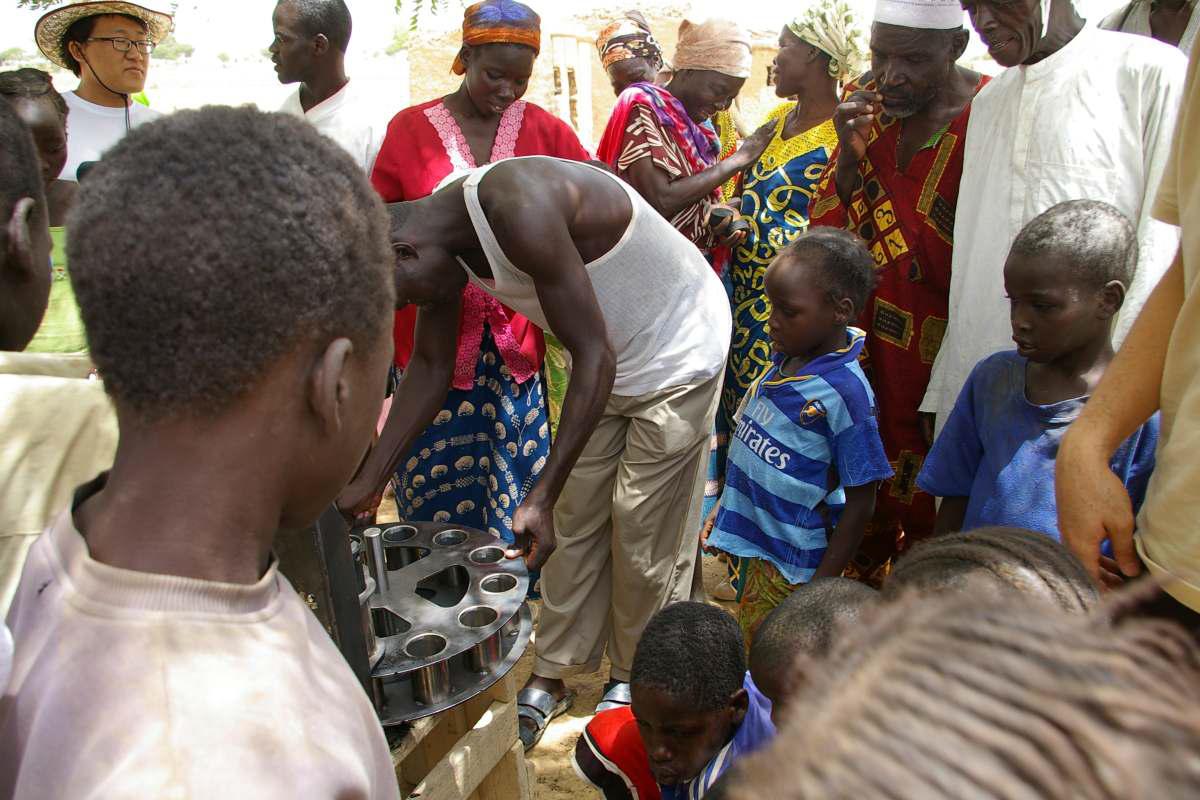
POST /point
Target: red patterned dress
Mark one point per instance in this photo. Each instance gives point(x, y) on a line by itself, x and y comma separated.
point(489, 442)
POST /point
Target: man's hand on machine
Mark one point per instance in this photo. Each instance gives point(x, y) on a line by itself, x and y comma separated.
point(358, 502)
point(533, 527)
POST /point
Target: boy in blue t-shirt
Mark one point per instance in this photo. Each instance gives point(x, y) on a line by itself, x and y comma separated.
point(993, 464)
point(806, 456)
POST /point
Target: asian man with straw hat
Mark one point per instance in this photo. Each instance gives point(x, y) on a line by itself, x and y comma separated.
point(108, 45)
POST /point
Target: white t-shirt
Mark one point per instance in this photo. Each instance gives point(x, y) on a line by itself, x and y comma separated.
point(348, 119)
point(1168, 536)
point(92, 129)
point(133, 685)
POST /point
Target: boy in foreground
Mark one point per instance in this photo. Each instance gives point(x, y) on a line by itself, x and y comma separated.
point(994, 461)
point(806, 457)
point(245, 349)
point(695, 712)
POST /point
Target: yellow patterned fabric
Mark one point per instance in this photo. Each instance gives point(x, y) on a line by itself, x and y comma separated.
point(727, 133)
point(763, 588)
point(774, 198)
point(775, 195)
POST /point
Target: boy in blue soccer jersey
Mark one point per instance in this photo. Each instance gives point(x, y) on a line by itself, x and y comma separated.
point(805, 457)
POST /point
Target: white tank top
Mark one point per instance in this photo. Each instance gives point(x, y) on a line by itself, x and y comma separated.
point(665, 310)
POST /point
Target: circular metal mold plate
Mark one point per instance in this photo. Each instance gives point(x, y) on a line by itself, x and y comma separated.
point(453, 587)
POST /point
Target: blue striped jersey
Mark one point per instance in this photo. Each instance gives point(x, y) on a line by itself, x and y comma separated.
point(799, 441)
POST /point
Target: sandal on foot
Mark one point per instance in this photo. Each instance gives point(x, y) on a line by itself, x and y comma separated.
point(539, 707)
point(616, 695)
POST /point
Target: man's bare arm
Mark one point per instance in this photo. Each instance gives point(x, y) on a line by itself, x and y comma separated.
point(421, 391)
point(536, 238)
point(1092, 502)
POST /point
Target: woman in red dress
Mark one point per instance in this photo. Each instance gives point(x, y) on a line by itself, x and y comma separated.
point(484, 450)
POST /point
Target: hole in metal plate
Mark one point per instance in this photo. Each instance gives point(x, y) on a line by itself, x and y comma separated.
point(386, 623)
point(398, 534)
point(446, 588)
point(400, 557)
point(497, 584)
point(487, 555)
point(450, 538)
point(427, 645)
point(478, 617)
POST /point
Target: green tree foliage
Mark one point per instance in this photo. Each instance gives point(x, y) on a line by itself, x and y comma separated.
point(172, 49)
point(399, 41)
point(414, 9)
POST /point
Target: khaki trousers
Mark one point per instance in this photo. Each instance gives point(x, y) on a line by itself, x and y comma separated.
point(627, 523)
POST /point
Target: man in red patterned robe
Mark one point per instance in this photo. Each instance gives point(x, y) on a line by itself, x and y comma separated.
point(893, 179)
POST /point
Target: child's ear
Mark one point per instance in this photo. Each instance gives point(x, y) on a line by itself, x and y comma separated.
point(18, 263)
point(739, 702)
point(329, 385)
point(1112, 297)
point(844, 311)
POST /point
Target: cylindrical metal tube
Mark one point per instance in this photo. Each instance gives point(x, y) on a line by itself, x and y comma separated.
point(374, 646)
point(373, 538)
point(431, 684)
point(484, 656)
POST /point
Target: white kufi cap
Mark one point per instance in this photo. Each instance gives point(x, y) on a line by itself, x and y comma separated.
point(939, 15)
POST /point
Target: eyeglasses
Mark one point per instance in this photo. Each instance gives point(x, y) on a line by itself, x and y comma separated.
point(122, 45)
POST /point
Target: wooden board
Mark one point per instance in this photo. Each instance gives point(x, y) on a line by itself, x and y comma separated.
point(472, 751)
point(461, 771)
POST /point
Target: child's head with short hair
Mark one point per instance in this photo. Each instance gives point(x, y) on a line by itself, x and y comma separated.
point(805, 622)
point(817, 285)
point(32, 95)
point(235, 265)
point(1066, 277)
point(687, 688)
point(24, 234)
point(995, 561)
point(948, 697)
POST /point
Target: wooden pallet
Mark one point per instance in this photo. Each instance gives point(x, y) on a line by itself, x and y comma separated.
point(471, 752)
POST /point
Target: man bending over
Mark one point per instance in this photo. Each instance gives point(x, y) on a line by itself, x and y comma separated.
point(647, 327)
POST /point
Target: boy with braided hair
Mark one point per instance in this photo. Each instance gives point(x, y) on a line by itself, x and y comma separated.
point(995, 561)
point(953, 698)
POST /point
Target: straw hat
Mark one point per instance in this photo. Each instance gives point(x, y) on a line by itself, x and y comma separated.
point(53, 25)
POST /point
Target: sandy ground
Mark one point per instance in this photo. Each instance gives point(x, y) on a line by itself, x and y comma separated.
point(551, 759)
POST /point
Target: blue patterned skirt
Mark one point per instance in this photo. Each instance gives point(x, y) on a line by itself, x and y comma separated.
point(483, 453)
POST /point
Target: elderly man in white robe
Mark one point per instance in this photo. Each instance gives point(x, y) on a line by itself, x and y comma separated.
point(1080, 113)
